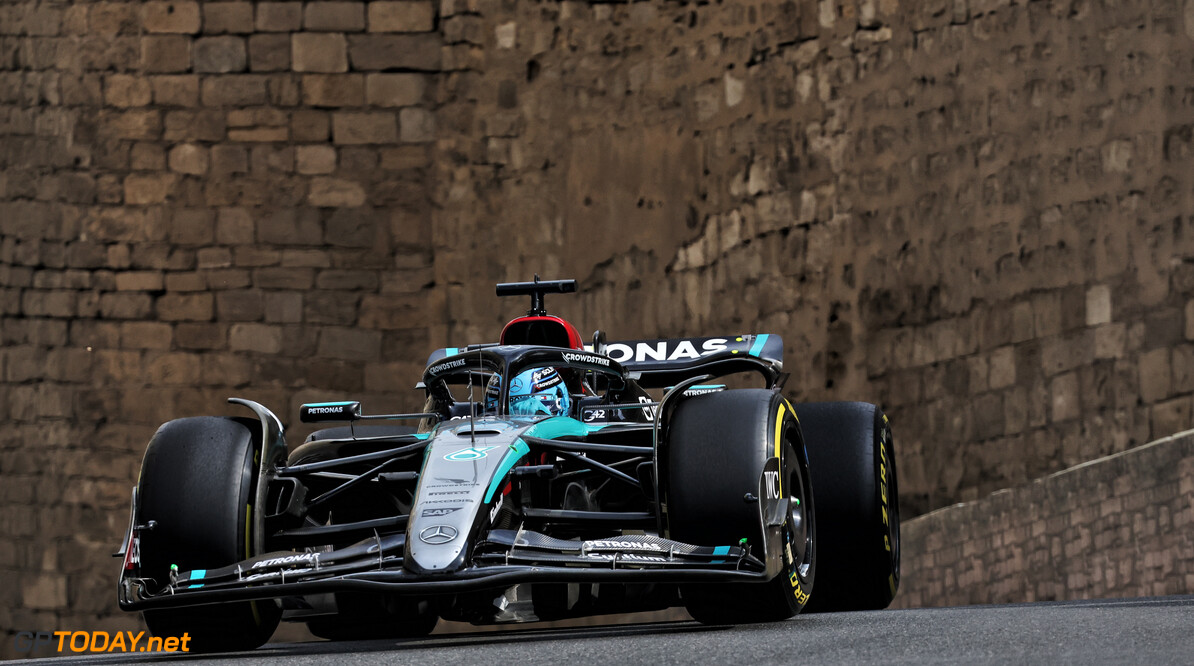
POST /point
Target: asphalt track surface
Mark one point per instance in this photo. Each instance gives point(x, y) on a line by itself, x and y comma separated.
point(1110, 631)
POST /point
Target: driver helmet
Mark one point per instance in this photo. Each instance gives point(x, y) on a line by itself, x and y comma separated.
point(534, 392)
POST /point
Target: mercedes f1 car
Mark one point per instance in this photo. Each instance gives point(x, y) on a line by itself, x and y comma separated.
point(544, 479)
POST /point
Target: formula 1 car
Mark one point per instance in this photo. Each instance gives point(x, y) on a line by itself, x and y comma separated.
point(544, 479)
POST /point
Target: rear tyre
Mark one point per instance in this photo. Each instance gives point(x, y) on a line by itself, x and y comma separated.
point(718, 445)
point(850, 446)
point(197, 484)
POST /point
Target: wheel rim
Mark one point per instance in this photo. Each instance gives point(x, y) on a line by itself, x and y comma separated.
point(800, 513)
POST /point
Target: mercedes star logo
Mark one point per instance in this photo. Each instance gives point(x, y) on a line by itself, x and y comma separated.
point(438, 534)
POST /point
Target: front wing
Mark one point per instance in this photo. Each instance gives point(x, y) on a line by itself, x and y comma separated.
point(502, 558)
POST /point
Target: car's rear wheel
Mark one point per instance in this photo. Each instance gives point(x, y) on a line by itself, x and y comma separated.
point(197, 487)
point(850, 446)
point(718, 445)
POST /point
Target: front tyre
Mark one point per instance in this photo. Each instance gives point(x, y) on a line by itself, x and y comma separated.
point(850, 446)
point(197, 484)
point(718, 447)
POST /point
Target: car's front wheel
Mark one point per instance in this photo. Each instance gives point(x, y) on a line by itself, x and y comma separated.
point(197, 488)
point(719, 446)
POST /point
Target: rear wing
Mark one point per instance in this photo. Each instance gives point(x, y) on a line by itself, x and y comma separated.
point(665, 360)
point(650, 355)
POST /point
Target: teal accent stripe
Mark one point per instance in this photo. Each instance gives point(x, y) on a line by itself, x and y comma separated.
point(720, 550)
point(549, 428)
point(327, 404)
point(517, 450)
point(451, 351)
point(197, 574)
point(757, 347)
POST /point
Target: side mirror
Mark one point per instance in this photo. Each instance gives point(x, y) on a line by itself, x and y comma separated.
point(319, 412)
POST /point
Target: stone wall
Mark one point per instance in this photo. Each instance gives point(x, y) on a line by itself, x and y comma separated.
point(1115, 527)
point(974, 212)
point(198, 200)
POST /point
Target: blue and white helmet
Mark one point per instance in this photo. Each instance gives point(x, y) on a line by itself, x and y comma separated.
point(535, 392)
point(539, 392)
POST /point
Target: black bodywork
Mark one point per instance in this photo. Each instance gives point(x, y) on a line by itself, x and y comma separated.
point(488, 516)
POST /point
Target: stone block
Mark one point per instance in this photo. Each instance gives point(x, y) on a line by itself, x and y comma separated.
point(145, 335)
point(226, 159)
point(227, 17)
point(335, 193)
point(234, 226)
point(1169, 417)
point(189, 158)
point(131, 125)
point(381, 52)
point(177, 369)
point(407, 16)
point(1154, 375)
point(219, 55)
point(1046, 314)
point(259, 338)
point(269, 53)
point(213, 257)
point(1063, 390)
point(199, 125)
point(139, 281)
point(349, 343)
point(1098, 305)
point(309, 125)
point(347, 279)
point(283, 307)
point(283, 278)
point(253, 256)
point(147, 157)
point(238, 90)
point(395, 90)
point(279, 16)
point(319, 52)
point(290, 226)
point(124, 90)
point(185, 307)
point(330, 307)
point(44, 592)
point(315, 160)
point(148, 188)
point(334, 16)
point(260, 134)
point(257, 116)
point(1109, 341)
point(1002, 367)
point(109, 19)
point(354, 128)
point(176, 16)
point(185, 282)
point(125, 306)
point(417, 125)
point(239, 305)
point(404, 157)
point(192, 226)
point(333, 90)
point(178, 90)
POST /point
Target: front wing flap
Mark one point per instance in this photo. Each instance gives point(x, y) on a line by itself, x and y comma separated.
point(503, 558)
